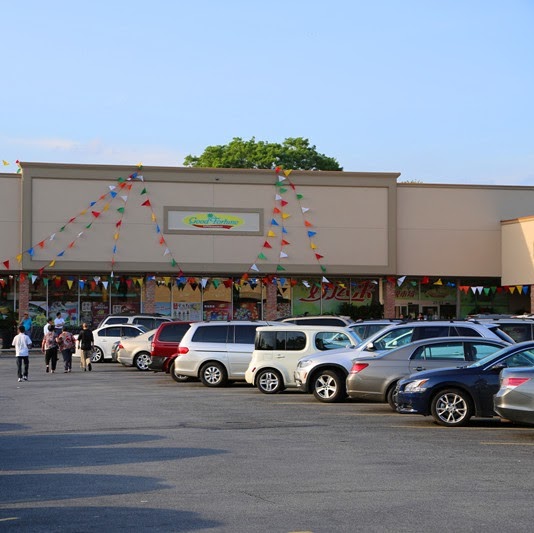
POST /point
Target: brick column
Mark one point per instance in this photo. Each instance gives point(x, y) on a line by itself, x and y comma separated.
point(24, 296)
point(389, 299)
point(270, 311)
point(149, 300)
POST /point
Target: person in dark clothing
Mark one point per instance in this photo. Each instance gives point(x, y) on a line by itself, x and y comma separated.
point(49, 348)
point(86, 344)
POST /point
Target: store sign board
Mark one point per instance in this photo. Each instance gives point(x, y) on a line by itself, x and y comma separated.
point(213, 220)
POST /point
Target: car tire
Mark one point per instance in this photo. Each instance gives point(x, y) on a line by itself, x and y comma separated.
point(180, 378)
point(213, 375)
point(391, 396)
point(451, 407)
point(142, 361)
point(98, 355)
point(269, 381)
point(329, 386)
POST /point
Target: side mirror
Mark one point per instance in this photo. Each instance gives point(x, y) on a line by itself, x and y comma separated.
point(498, 367)
point(370, 347)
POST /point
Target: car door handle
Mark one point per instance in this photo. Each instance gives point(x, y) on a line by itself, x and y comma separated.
point(279, 356)
point(419, 368)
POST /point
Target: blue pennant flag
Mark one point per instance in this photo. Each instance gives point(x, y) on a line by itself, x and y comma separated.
point(274, 223)
point(311, 233)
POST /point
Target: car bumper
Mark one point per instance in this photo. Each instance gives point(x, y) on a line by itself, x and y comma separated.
point(300, 377)
point(412, 403)
point(514, 406)
point(157, 364)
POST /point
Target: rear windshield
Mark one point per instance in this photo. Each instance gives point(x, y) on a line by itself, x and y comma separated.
point(173, 332)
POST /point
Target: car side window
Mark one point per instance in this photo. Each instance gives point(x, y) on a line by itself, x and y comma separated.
point(478, 350)
point(394, 338)
point(144, 321)
point(453, 351)
point(173, 332)
point(524, 358)
point(127, 331)
point(430, 332)
point(361, 331)
point(295, 340)
point(518, 332)
point(265, 340)
point(115, 331)
point(117, 320)
point(331, 340)
point(215, 334)
point(244, 334)
point(466, 331)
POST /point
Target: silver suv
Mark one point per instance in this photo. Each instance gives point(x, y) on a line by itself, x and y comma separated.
point(320, 320)
point(149, 321)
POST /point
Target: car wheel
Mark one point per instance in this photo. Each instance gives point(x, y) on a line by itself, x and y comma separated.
point(98, 355)
point(452, 407)
point(269, 381)
point(391, 396)
point(329, 386)
point(180, 378)
point(142, 361)
point(213, 375)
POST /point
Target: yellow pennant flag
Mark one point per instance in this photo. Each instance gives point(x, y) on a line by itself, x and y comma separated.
point(153, 217)
point(285, 215)
point(116, 236)
point(83, 212)
point(287, 172)
point(69, 283)
point(19, 258)
point(52, 263)
point(6, 164)
point(271, 234)
point(105, 208)
point(313, 246)
point(140, 281)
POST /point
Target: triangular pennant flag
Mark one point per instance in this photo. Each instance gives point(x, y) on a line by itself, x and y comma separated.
point(274, 223)
point(125, 198)
point(283, 203)
point(305, 209)
point(308, 224)
point(255, 268)
point(105, 283)
point(313, 246)
point(120, 209)
point(262, 256)
point(113, 194)
point(34, 277)
point(283, 255)
point(96, 214)
point(300, 196)
point(167, 252)
point(283, 190)
point(280, 268)
point(31, 252)
point(287, 172)
point(266, 245)
point(306, 284)
point(284, 242)
point(143, 191)
point(6, 264)
point(88, 225)
point(439, 282)
point(277, 197)
point(285, 215)
point(52, 237)
point(112, 187)
point(312, 233)
point(318, 256)
point(324, 280)
point(284, 230)
point(400, 280)
point(146, 202)
point(203, 282)
point(52, 263)
point(271, 234)
point(19, 258)
point(276, 210)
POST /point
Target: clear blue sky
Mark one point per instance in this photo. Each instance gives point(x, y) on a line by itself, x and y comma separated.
point(439, 91)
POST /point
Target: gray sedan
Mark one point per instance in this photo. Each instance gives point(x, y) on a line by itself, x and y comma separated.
point(515, 399)
point(375, 378)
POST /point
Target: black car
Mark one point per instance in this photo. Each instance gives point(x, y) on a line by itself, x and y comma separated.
point(453, 395)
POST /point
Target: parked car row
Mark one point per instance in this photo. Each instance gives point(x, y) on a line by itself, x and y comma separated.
point(449, 370)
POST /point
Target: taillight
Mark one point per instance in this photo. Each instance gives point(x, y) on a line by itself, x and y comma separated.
point(120, 346)
point(358, 367)
point(183, 349)
point(512, 383)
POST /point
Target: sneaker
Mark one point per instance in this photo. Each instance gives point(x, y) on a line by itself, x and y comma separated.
point(25, 378)
point(47, 369)
point(20, 379)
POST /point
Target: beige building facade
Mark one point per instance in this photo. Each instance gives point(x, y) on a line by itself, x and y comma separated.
point(233, 243)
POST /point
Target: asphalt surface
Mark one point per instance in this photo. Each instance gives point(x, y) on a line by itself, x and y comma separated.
point(121, 450)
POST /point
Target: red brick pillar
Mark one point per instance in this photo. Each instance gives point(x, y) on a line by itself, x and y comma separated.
point(24, 296)
point(270, 311)
point(389, 299)
point(149, 300)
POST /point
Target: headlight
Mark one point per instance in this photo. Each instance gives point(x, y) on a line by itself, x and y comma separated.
point(416, 386)
point(304, 363)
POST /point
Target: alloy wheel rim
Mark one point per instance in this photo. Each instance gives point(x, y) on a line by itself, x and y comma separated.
point(451, 408)
point(326, 387)
point(212, 374)
point(268, 381)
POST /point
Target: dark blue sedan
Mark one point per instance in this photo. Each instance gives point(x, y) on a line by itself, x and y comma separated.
point(453, 395)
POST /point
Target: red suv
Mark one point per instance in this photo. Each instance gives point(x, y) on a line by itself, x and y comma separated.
point(165, 343)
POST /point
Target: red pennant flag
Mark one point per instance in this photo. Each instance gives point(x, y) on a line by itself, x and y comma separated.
point(293, 282)
point(276, 210)
point(319, 256)
point(22, 276)
point(162, 240)
point(6, 264)
point(265, 245)
point(244, 276)
point(41, 272)
point(71, 244)
point(57, 282)
point(283, 203)
point(425, 280)
point(72, 219)
point(292, 186)
point(284, 242)
point(146, 202)
point(118, 224)
point(96, 214)
point(308, 224)
point(391, 279)
point(228, 283)
point(41, 244)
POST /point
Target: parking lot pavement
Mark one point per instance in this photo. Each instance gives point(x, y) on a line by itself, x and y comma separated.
point(119, 449)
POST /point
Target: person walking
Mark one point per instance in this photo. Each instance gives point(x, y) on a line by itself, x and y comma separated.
point(22, 343)
point(27, 323)
point(66, 344)
point(86, 343)
point(59, 322)
point(49, 348)
point(50, 322)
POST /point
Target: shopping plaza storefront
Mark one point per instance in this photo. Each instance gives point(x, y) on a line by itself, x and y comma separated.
point(218, 244)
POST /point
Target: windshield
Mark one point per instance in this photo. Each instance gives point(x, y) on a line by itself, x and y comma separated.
point(394, 339)
point(515, 357)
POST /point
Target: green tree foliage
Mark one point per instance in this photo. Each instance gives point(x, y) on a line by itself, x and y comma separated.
point(294, 153)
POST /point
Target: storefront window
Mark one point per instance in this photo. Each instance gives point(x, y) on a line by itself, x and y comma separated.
point(186, 300)
point(217, 304)
point(247, 300)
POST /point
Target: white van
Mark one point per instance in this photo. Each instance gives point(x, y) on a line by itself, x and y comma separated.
point(278, 349)
point(217, 352)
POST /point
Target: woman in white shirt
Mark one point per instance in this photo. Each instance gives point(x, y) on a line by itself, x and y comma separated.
point(22, 343)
